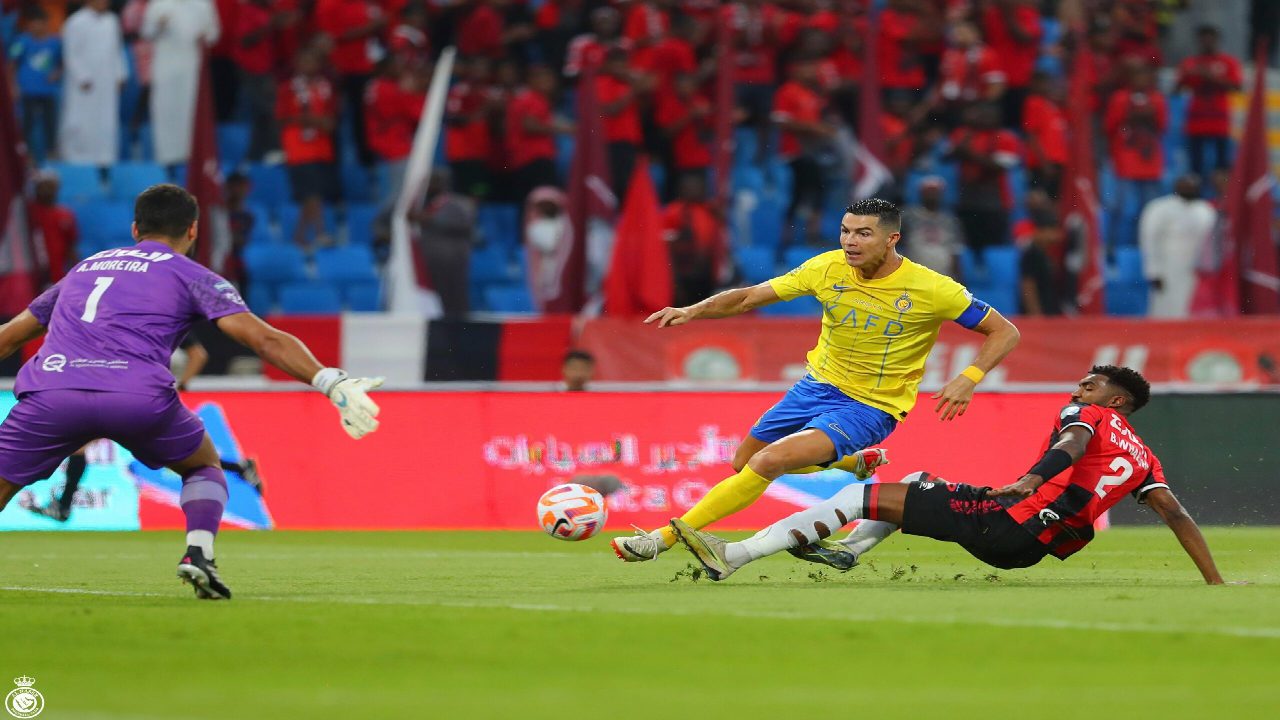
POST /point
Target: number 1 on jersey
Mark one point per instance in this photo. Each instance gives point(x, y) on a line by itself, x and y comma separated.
point(100, 286)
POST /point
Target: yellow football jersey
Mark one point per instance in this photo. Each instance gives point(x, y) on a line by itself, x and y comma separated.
point(876, 334)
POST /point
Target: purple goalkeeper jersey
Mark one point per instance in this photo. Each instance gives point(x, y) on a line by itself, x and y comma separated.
point(116, 318)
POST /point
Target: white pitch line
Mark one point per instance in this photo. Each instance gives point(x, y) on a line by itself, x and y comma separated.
point(1269, 633)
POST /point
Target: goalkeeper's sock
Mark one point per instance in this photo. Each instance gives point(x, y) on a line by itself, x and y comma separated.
point(76, 465)
point(726, 498)
point(802, 528)
point(203, 498)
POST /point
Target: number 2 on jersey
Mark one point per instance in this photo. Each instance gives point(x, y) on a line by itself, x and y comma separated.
point(1124, 469)
point(100, 286)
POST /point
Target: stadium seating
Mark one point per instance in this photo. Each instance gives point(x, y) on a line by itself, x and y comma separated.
point(129, 179)
point(104, 224)
point(363, 296)
point(270, 185)
point(275, 262)
point(508, 298)
point(358, 184)
point(756, 264)
point(80, 183)
point(233, 144)
point(1126, 287)
point(288, 214)
point(261, 298)
point(309, 298)
point(360, 219)
point(345, 264)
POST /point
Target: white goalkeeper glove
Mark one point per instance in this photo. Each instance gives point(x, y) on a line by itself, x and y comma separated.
point(350, 396)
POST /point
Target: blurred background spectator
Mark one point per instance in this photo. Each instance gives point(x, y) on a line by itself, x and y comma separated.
point(1173, 232)
point(576, 371)
point(318, 102)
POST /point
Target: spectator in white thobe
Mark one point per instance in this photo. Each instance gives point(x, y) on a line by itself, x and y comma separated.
point(1173, 231)
point(179, 31)
point(94, 67)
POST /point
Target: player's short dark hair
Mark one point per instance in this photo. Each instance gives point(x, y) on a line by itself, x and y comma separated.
point(886, 213)
point(578, 355)
point(1129, 380)
point(165, 210)
point(1208, 30)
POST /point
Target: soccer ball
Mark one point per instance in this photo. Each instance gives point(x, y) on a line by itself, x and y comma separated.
point(572, 512)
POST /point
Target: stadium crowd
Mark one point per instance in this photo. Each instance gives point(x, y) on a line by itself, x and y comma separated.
point(322, 97)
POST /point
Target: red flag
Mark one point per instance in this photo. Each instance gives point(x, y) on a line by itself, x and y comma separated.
point(1080, 209)
point(870, 172)
point(639, 278)
point(1249, 206)
point(17, 254)
point(591, 202)
point(204, 177)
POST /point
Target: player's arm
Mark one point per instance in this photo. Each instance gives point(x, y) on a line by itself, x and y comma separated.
point(1069, 448)
point(1001, 338)
point(18, 332)
point(1185, 529)
point(348, 394)
point(721, 305)
point(197, 358)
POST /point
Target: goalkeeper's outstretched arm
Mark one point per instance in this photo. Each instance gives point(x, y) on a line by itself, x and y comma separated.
point(348, 394)
point(721, 305)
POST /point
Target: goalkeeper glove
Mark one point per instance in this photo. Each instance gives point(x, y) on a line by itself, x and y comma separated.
point(350, 396)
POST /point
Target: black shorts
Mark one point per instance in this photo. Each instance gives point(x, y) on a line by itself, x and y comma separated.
point(962, 514)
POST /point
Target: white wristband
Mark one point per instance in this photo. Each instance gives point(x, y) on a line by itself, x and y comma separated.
point(327, 378)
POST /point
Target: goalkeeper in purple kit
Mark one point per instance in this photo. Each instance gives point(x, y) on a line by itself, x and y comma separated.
point(103, 371)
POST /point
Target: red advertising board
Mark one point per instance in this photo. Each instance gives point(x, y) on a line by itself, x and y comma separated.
point(481, 460)
point(1053, 350)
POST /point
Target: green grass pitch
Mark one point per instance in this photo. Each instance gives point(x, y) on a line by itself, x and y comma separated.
point(518, 625)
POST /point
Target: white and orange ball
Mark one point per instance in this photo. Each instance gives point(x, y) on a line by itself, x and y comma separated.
point(572, 512)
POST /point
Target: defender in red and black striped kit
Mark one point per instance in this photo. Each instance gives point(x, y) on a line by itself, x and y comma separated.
point(1091, 460)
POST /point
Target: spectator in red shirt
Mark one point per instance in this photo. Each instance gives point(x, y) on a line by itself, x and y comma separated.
point(467, 142)
point(1135, 122)
point(589, 48)
point(531, 128)
point(902, 35)
point(757, 29)
point(1211, 76)
point(256, 30)
point(1013, 32)
point(696, 241)
point(480, 31)
point(557, 24)
point(1045, 125)
point(618, 90)
point(985, 152)
point(392, 106)
point(408, 37)
point(684, 116)
point(647, 22)
point(674, 55)
point(970, 72)
point(307, 110)
point(54, 225)
point(806, 139)
point(355, 27)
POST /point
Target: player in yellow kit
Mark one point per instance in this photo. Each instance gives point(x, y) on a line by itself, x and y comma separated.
point(881, 315)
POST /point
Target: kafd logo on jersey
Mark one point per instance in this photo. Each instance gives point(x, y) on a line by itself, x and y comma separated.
point(24, 701)
point(54, 363)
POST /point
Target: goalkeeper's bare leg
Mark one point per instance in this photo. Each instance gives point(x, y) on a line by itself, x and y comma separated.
point(757, 464)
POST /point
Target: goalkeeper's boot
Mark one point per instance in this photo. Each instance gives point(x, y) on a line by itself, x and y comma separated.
point(202, 574)
point(827, 552)
point(868, 460)
point(708, 548)
point(641, 547)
